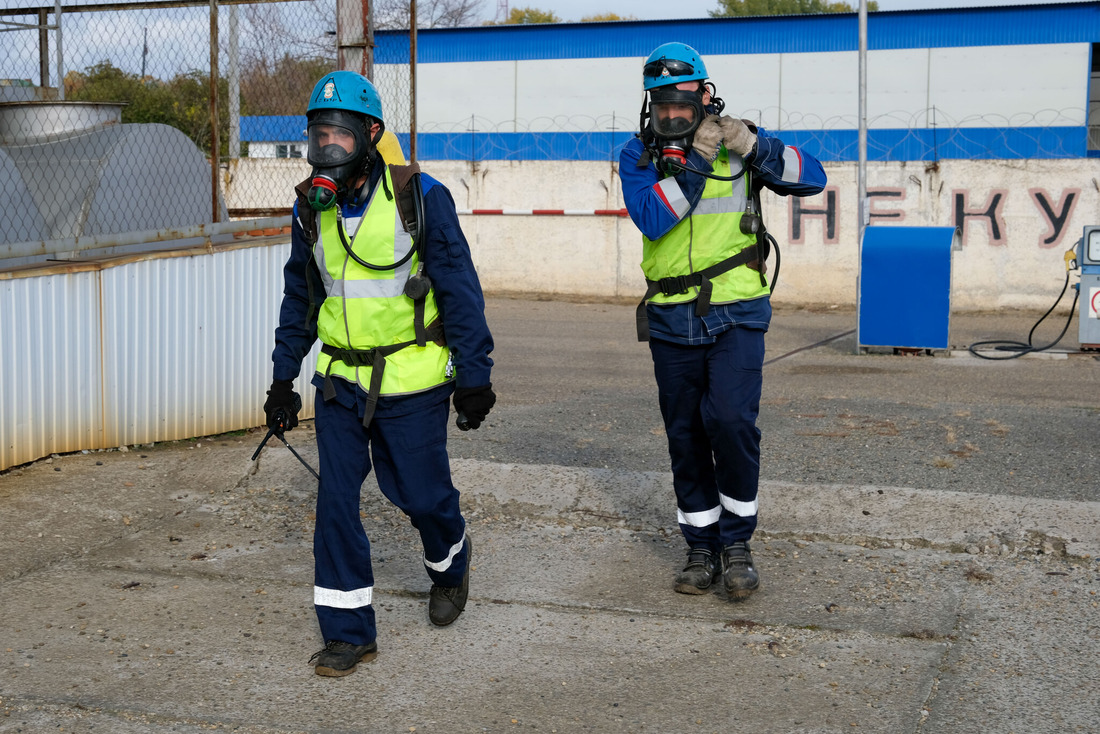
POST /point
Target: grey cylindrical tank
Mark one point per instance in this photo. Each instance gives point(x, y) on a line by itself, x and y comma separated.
point(71, 169)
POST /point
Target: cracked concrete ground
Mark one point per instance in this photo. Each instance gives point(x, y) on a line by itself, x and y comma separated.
point(928, 545)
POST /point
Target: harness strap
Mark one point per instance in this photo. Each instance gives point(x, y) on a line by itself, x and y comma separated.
point(376, 358)
point(677, 284)
point(418, 322)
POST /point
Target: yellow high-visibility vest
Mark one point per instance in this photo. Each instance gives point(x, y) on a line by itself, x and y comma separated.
point(710, 234)
point(366, 308)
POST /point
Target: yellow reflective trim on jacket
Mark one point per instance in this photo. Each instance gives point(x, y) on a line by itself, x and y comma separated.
point(709, 234)
point(366, 308)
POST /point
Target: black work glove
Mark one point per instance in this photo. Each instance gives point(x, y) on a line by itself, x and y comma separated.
point(282, 406)
point(473, 404)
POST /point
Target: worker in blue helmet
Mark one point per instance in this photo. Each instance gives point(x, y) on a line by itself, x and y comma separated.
point(380, 272)
point(692, 181)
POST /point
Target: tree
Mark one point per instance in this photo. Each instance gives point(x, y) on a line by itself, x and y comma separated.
point(183, 102)
point(524, 16)
point(282, 88)
point(272, 30)
point(604, 17)
point(394, 14)
point(738, 8)
point(281, 60)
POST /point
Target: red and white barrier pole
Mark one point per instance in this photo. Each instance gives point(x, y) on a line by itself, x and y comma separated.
point(548, 212)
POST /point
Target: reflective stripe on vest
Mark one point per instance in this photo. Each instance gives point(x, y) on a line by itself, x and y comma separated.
point(710, 234)
point(366, 308)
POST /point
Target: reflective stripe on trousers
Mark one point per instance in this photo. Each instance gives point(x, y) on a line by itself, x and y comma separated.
point(410, 462)
point(710, 398)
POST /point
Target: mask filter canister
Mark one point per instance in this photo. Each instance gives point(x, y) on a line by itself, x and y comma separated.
point(322, 193)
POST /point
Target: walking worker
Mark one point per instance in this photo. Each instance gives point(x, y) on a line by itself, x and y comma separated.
point(380, 271)
point(691, 182)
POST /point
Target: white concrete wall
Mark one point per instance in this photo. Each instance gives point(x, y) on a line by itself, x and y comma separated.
point(1036, 85)
point(1018, 219)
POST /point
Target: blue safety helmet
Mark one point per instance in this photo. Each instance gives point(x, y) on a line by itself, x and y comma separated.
point(346, 90)
point(672, 63)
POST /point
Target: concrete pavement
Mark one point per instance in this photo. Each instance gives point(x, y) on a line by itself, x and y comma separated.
point(928, 545)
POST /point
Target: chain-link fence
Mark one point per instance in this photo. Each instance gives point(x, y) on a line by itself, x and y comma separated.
point(106, 110)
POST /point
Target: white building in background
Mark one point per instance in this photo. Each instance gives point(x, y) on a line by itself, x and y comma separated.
point(972, 83)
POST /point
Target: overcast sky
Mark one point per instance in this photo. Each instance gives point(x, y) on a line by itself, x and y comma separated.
point(573, 10)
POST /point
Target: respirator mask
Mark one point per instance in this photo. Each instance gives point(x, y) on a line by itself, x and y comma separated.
point(674, 116)
point(340, 152)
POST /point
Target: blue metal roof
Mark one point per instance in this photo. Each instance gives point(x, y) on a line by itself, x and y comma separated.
point(273, 128)
point(1075, 22)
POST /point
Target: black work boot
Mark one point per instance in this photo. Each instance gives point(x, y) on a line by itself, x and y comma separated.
point(341, 658)
point(445, 603)
point(699, 573)
point(738, 573)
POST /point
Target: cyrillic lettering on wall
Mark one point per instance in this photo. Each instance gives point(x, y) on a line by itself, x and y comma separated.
point(879, 200)
point(799, 211)
point(989, 213)
point(1056, 215)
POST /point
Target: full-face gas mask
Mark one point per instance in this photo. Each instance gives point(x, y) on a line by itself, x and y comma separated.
point(341, 151)
point(674, 116)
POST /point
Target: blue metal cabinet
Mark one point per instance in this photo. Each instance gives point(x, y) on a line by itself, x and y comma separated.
point(904, 296)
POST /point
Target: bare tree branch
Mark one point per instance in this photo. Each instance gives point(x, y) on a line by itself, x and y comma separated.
point(394, 14)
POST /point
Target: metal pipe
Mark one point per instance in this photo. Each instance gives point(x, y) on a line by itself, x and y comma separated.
point(412, 81)
point(43, 49)
point(60, 56)
point(95, 242)
point(368, 33)
point(861, 170)
point(146, 5)
point(864, 214)
point(234, 85)
point(215, 209)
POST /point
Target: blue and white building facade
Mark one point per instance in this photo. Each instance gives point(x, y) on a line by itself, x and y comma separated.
point(993, 82)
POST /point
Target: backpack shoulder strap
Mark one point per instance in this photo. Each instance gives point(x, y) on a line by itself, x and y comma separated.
point(410, 205)
point(307, 217)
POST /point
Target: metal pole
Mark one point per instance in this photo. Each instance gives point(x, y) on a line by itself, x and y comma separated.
point(43, 49)
point(60, 56)
point(234, 86)
point(864, 214)
point(368, 50)
point(355, 37)
point(861, 174)
point(412, 81)
point(214, 110)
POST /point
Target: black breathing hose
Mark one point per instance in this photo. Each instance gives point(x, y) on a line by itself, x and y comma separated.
point(674, 165)
point(418, 208)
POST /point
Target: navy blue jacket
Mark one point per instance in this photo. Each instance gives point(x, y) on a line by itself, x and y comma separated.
point(447, 262)
point(656, 207)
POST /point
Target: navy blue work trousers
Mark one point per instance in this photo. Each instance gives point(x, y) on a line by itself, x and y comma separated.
point(710, 399)
point(409, 452)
